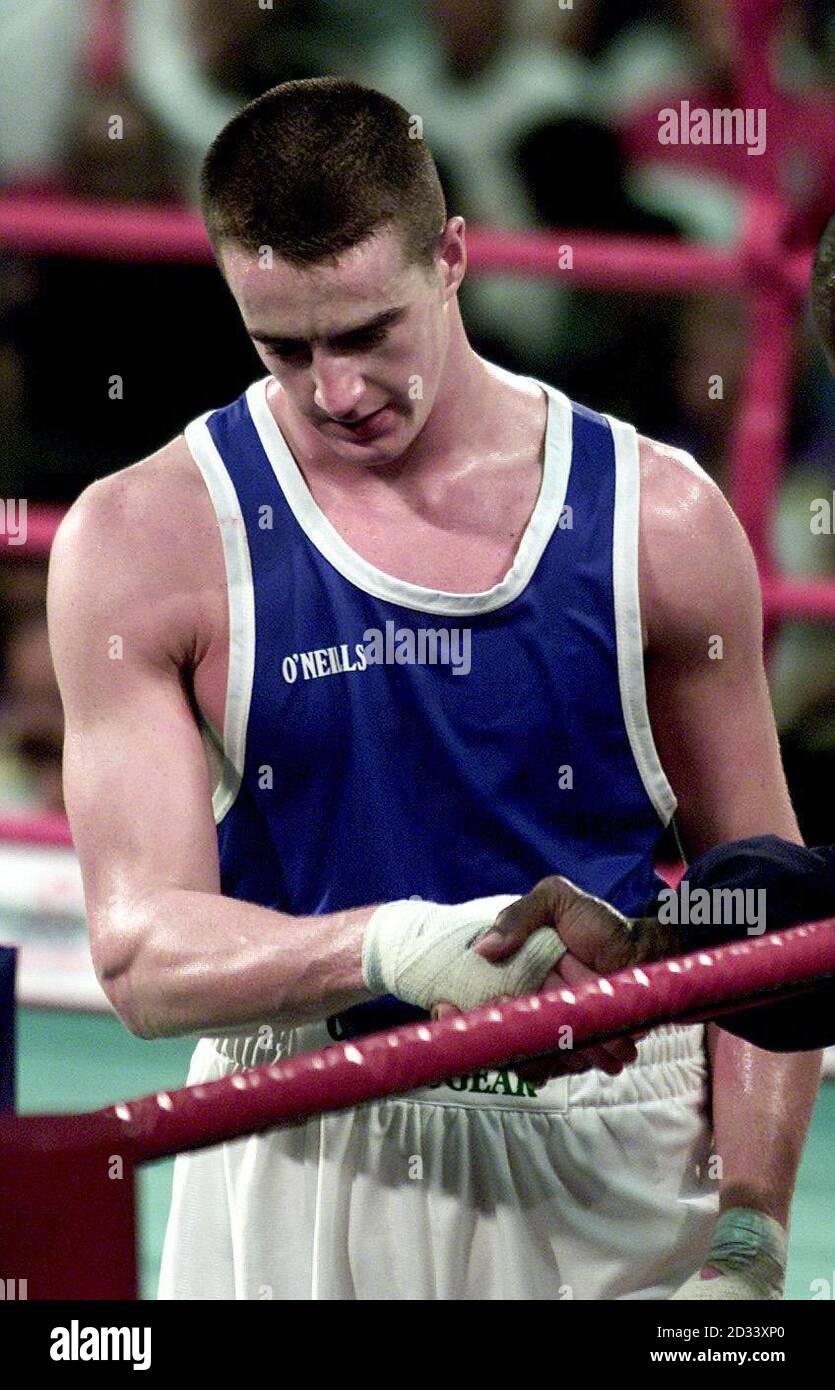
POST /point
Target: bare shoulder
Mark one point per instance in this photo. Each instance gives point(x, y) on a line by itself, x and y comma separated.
point(142, 542)
point(143, 505)
point(695, 562)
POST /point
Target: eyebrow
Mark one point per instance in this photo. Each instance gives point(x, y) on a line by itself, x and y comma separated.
point(383, 320)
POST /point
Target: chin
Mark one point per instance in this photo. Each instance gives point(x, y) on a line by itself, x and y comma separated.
point(371, 455)
point(384, 450)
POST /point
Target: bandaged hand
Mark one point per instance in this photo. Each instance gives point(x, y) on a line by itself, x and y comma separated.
point(609, 1057)
point(422, 952)
point(746, 1260)
point(599, 940)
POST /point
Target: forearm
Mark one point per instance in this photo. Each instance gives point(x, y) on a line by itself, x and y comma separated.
point(194, 962)
point(762, 1106)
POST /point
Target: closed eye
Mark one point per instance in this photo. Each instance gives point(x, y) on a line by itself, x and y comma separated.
point(289, 349)
point(368, 338)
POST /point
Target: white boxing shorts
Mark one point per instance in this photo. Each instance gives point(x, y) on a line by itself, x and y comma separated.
point(483, 1187)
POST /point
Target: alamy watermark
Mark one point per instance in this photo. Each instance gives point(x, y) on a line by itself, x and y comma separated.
point(391, 646)
point(703, 907)
point(13, 520)
point(79, 1342)
point(822, 516)
point(696, 125)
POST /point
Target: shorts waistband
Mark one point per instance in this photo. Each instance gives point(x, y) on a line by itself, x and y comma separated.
point(671, 1062)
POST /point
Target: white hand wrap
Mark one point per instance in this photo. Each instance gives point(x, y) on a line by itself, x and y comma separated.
point(421, 953)
point(749, 1251)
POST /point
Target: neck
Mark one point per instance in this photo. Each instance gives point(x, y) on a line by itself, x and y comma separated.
point(459, 411)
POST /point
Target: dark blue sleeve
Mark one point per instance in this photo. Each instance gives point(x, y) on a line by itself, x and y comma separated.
point(799, 886)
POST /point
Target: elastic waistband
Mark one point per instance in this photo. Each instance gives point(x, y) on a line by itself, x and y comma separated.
point(671, 1063)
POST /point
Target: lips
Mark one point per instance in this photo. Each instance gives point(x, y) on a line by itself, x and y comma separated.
point(367, 428)
point(355, 424)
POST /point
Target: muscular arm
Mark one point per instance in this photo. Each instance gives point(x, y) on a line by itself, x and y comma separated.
point(172, 954)
point(714, 728)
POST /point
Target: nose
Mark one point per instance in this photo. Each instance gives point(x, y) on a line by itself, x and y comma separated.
point(338, 386)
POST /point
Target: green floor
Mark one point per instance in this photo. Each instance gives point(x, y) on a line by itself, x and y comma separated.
point(70, 1061)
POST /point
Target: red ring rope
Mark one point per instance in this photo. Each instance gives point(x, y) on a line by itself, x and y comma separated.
point(45, 1157)
point(703, 984)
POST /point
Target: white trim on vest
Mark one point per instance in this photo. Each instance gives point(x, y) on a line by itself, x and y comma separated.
point(320, 531)
point(628, 630)
point(241, 603)
point(365, 576)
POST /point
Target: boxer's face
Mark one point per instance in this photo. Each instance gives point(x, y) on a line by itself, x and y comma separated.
point(358, 346)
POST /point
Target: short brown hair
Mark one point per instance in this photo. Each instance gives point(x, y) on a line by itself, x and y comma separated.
point(313, 167)
point(823, 291)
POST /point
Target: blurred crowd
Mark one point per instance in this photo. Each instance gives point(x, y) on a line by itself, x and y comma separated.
point(541, 114)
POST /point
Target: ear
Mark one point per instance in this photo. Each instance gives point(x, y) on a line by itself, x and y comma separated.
point(453, 255)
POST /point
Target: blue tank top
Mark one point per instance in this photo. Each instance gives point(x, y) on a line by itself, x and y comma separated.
point(383, 740)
